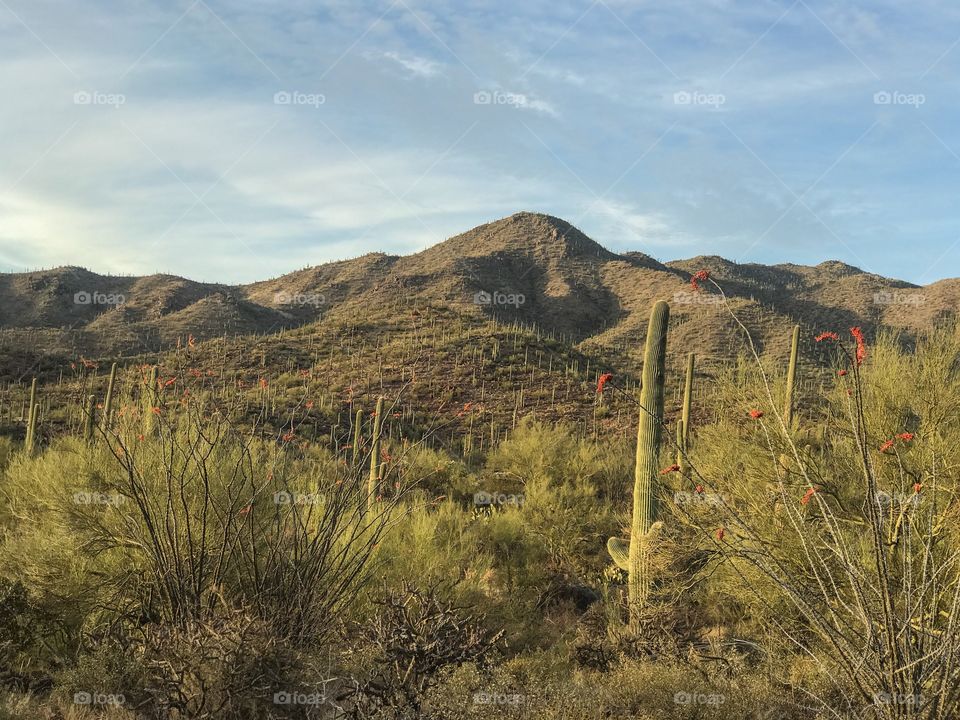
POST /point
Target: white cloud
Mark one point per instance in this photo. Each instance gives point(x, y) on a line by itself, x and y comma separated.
point(417, 66)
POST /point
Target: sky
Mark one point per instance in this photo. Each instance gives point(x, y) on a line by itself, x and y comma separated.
point(236, 141)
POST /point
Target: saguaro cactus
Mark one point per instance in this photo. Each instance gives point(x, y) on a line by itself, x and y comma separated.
point(636, 559)
point(88, 414)
point(32, 415)
point(791, 378)
point(357, 428)
point(684, 423)
point(108, 400)
point(374, 478)
point(150, 400)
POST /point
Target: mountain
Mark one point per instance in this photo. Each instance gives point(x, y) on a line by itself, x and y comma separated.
point(529, 267)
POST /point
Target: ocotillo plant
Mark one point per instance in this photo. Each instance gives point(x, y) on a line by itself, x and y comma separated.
point(791, 378)
point(637, 560)
point(108, 400)
point(32, 415)
point(374, 478)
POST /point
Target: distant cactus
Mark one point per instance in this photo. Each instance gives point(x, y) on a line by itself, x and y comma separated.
point(636, 558)
point(374, 478)
point(791, 378)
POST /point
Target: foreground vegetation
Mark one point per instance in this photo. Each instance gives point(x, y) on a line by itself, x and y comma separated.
point(798, 557)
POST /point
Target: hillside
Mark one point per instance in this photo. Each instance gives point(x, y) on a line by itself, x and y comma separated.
point(531, 268)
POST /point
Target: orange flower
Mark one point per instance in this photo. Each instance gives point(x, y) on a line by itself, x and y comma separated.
point(906, 437)
point(756, 414)
point(699, 277)
point(155, 411)
point(720, 534)
point(288, 436)
point(246, 510)
point(807, 495)
point(861, 344)
point(826, 336)
point(917, 487)
point(886, 446)
point(699, 489)
point(603, 380)
point(671, 469)
point(309, 404)
point(842, 373)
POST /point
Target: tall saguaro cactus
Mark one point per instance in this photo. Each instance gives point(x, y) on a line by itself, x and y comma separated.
point(684, 424)
point(374, 478)
point(637, 560)
point(88, 417)
point(151, 398)
point(108, 400)
point(791, 378)
point(32, 413)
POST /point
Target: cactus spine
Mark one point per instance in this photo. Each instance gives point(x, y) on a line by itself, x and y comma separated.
point(108, 400)
point(32, 415)
point(791, 378)
point(374, 478)
point(637, 560)
point(88, 417)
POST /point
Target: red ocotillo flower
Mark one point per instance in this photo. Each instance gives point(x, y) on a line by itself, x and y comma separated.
point(720, 534)
point(309, 404)
point(826, 336)
point(807, 495)
point(756, 414)
point(246, 510)
point(699, 489)
point(906, 437)
point(263, 383)
point(699, 277)
point(287, 437)
point(671, 469)
point(861, 344)
point(842, 373)
point(917, 487)
point(886, 446)
point(603, 380)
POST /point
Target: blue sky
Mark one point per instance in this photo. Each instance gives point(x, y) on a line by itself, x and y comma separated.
point(238, 141)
